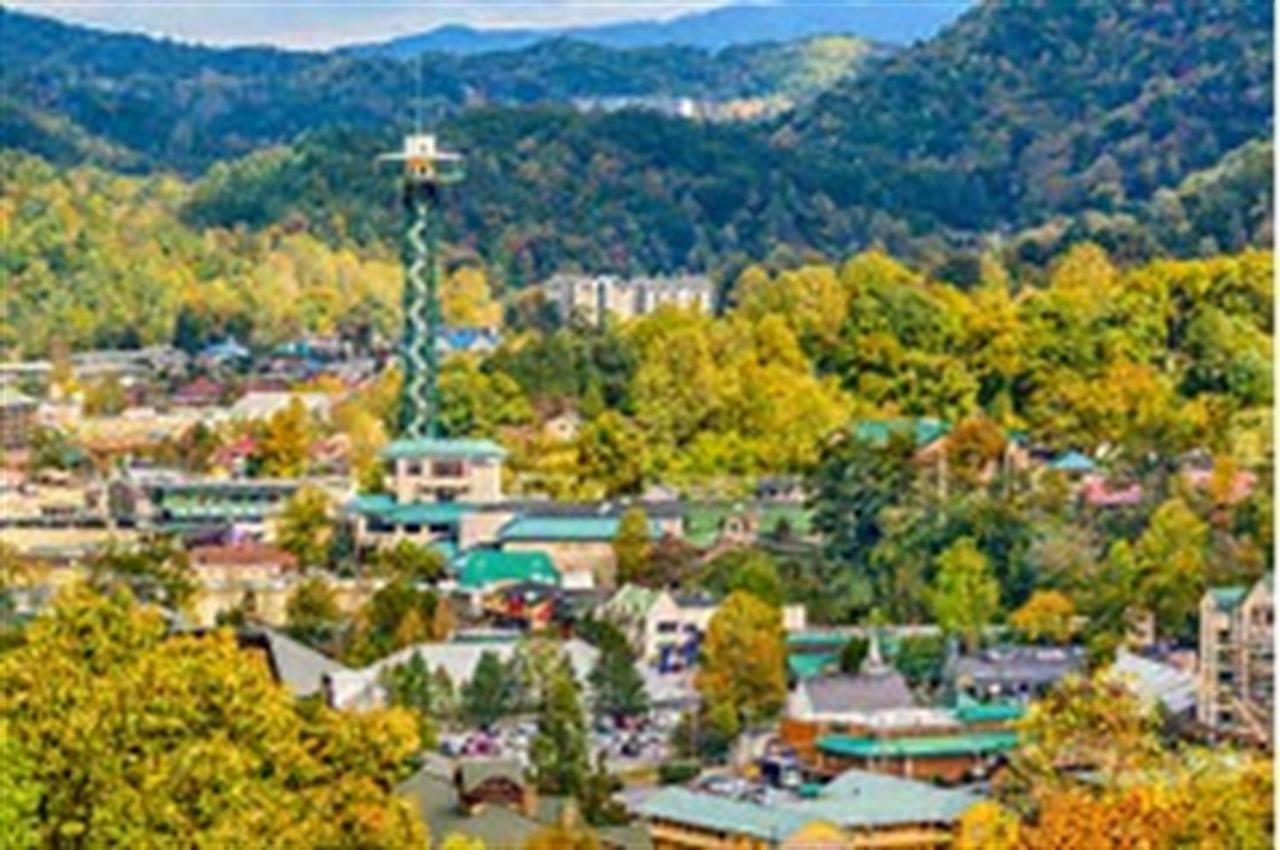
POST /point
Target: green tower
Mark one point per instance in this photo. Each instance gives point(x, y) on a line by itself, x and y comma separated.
point(426, 170)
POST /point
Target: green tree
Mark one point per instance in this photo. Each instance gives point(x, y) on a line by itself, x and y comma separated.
point(633, 547)
point(133, 733)
point(853, 654)
point(1170, 557)
point(491, 694)
point(411, 561)
point(157, 571)
point(396, 616)
point(558, 754)
point(965, 595)
point(750, 570)
point(306, 527)
point(617, 684)
point(744, 659)
point(612, 454)
point(312, 614)
point(920, 659)
point(411, 686)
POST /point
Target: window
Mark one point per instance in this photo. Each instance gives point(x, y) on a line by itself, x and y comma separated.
point(413, 468)
point(448, 469)
point(666, 627)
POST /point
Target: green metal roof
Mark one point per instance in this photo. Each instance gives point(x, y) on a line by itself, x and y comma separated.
point(855, 799)
point(386, 508)
point(482, 568)
point(817, 638)
point(573, 528)
point(878, 431)
point(859, 798)
point(483, 449)
point(806, 665)
point(968, 710)
point(922, 746)
point(1227, 598)
point(725, 814)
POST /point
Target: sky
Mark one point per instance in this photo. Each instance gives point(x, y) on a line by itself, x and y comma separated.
point(324, 23)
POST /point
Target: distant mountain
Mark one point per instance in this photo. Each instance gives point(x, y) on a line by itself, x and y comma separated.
point(895, 22)
point(1020, 116)
point(126, 101)
point(1022, 110)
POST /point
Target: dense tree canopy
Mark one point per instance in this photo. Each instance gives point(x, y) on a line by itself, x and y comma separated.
point(121, 733)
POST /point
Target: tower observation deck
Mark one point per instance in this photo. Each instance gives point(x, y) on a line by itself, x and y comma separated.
point(426, 168)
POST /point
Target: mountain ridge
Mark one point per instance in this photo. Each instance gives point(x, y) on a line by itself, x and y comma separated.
point(738, 24)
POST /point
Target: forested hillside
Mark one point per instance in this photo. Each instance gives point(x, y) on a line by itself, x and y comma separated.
point(1023, 117)
point(1019, 131)
point(73, 93)
point(1023, 110)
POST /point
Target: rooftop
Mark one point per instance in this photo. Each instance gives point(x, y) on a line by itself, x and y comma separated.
point(435, 447)
point(855, 799)
point(579, 528)
point(922, 746)
point(484, 568)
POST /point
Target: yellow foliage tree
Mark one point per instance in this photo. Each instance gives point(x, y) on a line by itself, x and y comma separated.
point(1047, 615)
point(744, 659)
point(133, 737)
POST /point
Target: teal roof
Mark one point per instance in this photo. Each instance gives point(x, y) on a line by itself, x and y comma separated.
point(725, 814)
point(1227, 598)
point(567, 528)
point(386, 508)
point(483, 568)
point(482, 449)
point(922, 431)
point(806, 665)
point(855, 799)
point(921, 746)
point(817, 638)
point(968, 710)
point(1072, 461)
point(859, 798)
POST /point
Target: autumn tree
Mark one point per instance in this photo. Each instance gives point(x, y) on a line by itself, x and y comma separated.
point(965, 595)
point(207, 745)
point(633, 547)
point(612, 455)
point(411, 561)
point(306, 527)
point(1047, 616)
point(312, 614)
point(398, 615)
point(285, 441)
point(1170, 559)
point(744, 659)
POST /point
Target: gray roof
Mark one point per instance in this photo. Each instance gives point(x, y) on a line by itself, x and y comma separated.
point(864, 692)
point(297, 665)
point(1154, 681)
point(1018, 665)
